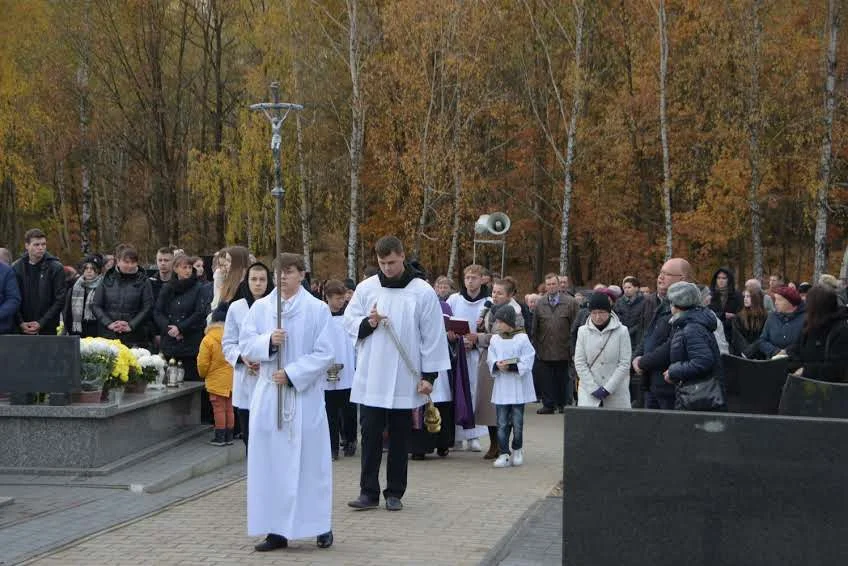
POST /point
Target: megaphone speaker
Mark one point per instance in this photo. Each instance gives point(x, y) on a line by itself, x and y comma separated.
point(498, 223)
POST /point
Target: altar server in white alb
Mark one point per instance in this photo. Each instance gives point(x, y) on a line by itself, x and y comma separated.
point(384, 385)
point(289, 471)
point(341, 413)
point(245, 371)
point(510, 358)
point(470, 304)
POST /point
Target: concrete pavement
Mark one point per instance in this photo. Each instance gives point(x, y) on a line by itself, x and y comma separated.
point(458, 511)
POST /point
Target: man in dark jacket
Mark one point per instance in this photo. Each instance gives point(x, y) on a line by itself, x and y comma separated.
point(123, 302)
point(630, 309)
point(10, 299)
point(551, 332)
point(41, 280)
point(652, 357)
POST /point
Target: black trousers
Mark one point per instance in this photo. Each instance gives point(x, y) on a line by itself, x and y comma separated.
point(341, 416)
point(244, 422)
point(557, 387)
point(374, 420)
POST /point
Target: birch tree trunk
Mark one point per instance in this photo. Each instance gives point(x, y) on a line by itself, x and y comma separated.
point(357, 133)
point(827, 141)
point(666, 193)
point(576, 103)
point(457, 183)
point(754, 128)
point(843, 272)
point(305, 232)
point(85, 149)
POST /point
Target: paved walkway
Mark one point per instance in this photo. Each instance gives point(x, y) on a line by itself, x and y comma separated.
point(456, 513)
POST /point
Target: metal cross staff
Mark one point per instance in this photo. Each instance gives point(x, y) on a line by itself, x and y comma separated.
point(277, 112)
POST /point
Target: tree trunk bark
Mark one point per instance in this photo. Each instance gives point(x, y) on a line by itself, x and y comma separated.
point(666, 192)
point(827, 142)
point(85, 149)
point(576, 103)
point(457, 182)
point(754, 127)
point(843, 272)
point(357, 133)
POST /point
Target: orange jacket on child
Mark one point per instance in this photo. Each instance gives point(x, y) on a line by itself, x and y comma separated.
point(211, 364)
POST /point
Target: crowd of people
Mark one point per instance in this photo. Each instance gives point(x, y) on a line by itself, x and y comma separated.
point(305, 371)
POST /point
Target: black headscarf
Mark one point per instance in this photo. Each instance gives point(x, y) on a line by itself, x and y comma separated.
point(243, 291)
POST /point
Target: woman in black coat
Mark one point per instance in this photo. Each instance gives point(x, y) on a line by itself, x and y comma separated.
point(748, 326)
point(180, 316)
point(694, 353)
point(78, 316)
point(726, 301)
point(123, 301)
point(822, 351)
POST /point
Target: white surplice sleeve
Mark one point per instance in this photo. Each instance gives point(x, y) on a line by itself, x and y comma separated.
point(310, 368)
point(431, 326)
point(354, 313)
point(526, 356)
point(230, 341)
point(254, 337)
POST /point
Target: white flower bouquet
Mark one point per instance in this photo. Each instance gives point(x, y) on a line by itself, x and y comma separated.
point(97, 361)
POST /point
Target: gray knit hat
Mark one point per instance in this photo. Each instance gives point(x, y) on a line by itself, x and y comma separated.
point(506, 314)
point(684, 295)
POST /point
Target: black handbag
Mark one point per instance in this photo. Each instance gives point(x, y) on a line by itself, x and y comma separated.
point(701, 395)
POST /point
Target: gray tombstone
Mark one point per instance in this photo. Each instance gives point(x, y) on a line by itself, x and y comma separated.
point(811, 398)
point(40, 364)
point(754, 386)
point(665, 488)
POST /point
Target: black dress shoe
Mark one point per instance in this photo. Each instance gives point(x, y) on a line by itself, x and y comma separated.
point(271, 542)
point(419, 457)
point(545, 411)
point(443, 452)
point(362, 502)
point(393, 504)
point(325, 540)
point(350, 449)
point(336, 455)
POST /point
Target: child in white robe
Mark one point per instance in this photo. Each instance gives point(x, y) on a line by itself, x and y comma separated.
point(510, 357)
point(341, 413)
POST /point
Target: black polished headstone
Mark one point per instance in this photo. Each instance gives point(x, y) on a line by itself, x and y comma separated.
point(39, 364)
point(811, 398)
point(703, 489)
point(754, 386)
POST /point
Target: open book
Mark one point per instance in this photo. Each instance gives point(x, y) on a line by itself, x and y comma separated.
point(458, 325)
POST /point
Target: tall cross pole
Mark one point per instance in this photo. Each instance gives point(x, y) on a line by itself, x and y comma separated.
point(277, 112)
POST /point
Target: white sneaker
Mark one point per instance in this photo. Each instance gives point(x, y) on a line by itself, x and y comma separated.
point(474, 445)
point(502, 461)
point(517, 457)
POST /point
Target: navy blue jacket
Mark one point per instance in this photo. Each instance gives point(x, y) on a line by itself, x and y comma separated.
point(10, 299)
point(694, 351)
point(782, 330)
point(654, 350)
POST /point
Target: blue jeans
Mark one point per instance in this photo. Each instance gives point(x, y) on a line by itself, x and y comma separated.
point(510, 417)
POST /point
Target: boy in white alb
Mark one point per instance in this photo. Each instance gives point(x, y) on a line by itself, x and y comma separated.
point(289, 471)
point(470, 304)
point(341, 413)
point(510, 358)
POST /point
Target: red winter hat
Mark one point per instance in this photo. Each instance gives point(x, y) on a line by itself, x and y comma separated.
point(789, 294)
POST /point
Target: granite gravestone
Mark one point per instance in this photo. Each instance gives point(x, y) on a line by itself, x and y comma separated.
point(40, 364)
point(754, 386)
point(703, 489)
point(812, 398)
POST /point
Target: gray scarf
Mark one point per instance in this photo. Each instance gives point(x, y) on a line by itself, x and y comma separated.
point(80, 308)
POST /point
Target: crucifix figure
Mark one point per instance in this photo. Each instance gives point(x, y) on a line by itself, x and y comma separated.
point(277, 112)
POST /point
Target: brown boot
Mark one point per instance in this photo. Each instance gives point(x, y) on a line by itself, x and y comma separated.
point(493, 444)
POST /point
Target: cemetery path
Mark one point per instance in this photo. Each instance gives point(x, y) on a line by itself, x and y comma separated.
point(459, 510)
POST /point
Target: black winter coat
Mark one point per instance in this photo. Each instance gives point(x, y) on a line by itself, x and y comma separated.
point(745, 340)
point(124, 296)
point(181, 303)
point(824, 353)
point(733, 304)
point(654, 349)
point(631, 313)
point(43, 302)
point(694, 353)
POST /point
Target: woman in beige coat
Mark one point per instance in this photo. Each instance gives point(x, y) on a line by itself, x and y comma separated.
point(602, 358)
point(503, 293)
